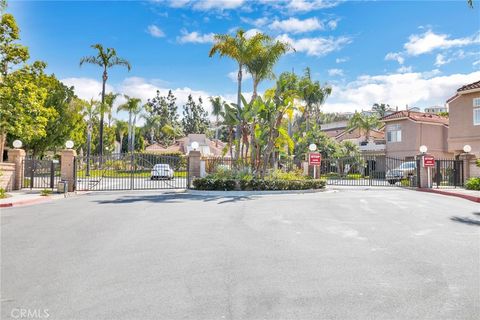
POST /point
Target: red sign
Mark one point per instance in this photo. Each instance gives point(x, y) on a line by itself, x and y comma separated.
point(314, 158)
point(428, 161)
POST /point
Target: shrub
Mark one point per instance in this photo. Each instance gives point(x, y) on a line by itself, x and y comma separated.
point(3, 193)
point(45, 192)
point(354, 176)
point(210, 183)
point(473, 184)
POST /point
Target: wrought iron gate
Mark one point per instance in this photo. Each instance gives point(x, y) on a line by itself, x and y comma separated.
point(447, 173)
point(40, 174)
point(370, 171)
point(131, 171)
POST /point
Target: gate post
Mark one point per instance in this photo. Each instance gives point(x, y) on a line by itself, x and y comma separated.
point(193, 166)
point(67, 167)
point(467, 158)
point(424, 176)
point(17, 156)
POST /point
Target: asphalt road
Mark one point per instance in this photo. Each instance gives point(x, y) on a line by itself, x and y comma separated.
point(381, 254)
point(137, 183)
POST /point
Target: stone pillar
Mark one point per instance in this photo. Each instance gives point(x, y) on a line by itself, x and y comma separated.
point(467, 159)
point(67, 167)
point(17, 156)
point(193, 166)
point(425, 178)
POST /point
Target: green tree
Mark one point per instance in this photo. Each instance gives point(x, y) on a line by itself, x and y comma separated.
point(381, 109)
point(195, 118)
point(218, 106)
point(364, 123)
point(470, 3)
point(134, 108)
point(314, 95)
point(106, 59)
point(90, 114)
point(108, 106)
point(121, 128)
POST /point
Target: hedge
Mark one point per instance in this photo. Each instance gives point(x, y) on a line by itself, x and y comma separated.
point(473, 184)
point(257, 184)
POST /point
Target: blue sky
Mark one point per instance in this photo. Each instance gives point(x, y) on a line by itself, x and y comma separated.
point(398, 52)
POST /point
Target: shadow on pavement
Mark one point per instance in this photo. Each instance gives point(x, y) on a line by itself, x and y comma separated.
point(466, 220)
point(172, 198)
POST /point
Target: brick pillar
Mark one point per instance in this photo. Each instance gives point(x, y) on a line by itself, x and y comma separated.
point(67, 167)
point(467, 159)
point(17, 156)
point(193, 166)
point(425, 179)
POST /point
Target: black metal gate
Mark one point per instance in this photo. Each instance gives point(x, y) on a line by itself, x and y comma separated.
point(131, 171)
point(370, 171)
point(447, 173)
point(40, 174)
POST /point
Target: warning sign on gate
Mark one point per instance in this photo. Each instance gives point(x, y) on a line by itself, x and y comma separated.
point(314, 158)
point(428, 161)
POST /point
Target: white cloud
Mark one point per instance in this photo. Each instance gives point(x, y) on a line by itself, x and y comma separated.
point(440, 60)
point(294, 25)
point(476, 63)
point(195, 37)
point(155, 31)
point(341, 60)
point(332, 24)
point(250, 33)
point(309, 5)
point(260, 22)
point(87, 88)
point(396, 56)
point(234, 74)
point(447, 57)
point(430, 41)
point(317, 46)
point(404, 69)
point(205, 5)
point(335, 72)
point(399, 89)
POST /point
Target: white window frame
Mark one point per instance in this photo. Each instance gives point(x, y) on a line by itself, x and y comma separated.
point(476, 102)
point(477, 122)
point(394, 130)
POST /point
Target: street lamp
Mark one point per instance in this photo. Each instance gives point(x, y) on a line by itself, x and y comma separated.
point(312, 147)
point(194, 145)
point(17, 144)
point(423, 149)
point(467, 148)
point(69, 144)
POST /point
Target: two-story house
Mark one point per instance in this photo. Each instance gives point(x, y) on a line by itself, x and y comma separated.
point(406, 131)
point(464, 113)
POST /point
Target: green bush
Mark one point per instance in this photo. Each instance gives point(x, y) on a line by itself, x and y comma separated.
point(46, 192)
point(473, 184)
point(209, 183)
point(3, 193)
point(354, 176)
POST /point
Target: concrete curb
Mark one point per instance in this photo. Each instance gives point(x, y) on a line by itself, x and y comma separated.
point(452, 194)
point(254, 193)
point(39, 199)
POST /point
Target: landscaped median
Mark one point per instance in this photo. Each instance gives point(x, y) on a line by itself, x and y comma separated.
point(226, 180)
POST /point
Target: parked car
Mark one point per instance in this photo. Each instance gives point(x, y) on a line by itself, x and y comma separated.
point(161, 171)
point(404, 171)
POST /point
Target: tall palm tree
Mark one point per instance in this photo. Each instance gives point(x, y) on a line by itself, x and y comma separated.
point(314, 96)
point(363, 123)
point(241, 49)
point(108, 106)
point(134, 107)
point(218, 105)
point(90, 112)
point(106, 59)
point(121, 128)
point(266, 56)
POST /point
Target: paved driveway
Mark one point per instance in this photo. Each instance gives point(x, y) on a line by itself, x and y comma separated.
point(382, 254)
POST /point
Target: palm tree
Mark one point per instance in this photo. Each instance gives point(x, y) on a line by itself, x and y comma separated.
point(108, 106)
point(121, 128)
point(90, 112)
point(363, 123)
point(381, 109)
point(470, 3)
point(266, 56)
point(152, 125)
point(314, 96)
point(241, 49)
point(218, 105)
point(134, 108)
point(105, 59)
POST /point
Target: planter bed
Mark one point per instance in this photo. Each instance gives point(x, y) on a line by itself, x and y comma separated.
point(257, 184)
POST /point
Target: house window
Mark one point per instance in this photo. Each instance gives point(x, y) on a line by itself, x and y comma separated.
point(476, 116)
point(394, 133)
point(476, 103)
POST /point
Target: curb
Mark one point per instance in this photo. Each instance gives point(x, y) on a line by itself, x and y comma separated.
point(253, 193)
point(452, 194)
point(37, 200)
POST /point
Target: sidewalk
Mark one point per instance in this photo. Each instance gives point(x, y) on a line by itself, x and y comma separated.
point(471, 195)
point(26, 197)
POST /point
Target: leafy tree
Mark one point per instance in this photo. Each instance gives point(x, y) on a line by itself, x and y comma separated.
point(106, 59)
point(108, 106)
point(314, 95)
point(363, 123)
point(121, 128)
point(195, 118)
point(381, 109)
point(163, 124)
point(325, 145)
point(90, 114)
point(134, 108)
point(11, 53)
point(218, 106)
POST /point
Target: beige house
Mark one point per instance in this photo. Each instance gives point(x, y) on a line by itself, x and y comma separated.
point(375, 145)
point(406, 131)
point(464, 116)
point(207, 147)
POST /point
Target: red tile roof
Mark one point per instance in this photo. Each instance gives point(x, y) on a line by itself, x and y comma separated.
point(417, 116)
point(471, 86)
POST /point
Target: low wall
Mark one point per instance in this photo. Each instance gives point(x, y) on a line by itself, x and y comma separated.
point(7, 175)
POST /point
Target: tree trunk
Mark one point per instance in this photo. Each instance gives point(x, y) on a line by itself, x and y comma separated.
point(133, 133)
point(239, 105)
point(89, 143)
point(3, 139)
point(100, 144)
point(129, 148)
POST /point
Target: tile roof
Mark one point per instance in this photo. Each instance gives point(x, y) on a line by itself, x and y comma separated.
point(357, 134)
point(471, 86)
point(417, 116)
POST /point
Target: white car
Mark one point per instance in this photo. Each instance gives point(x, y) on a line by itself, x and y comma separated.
point(161, 171)
point(404, 171)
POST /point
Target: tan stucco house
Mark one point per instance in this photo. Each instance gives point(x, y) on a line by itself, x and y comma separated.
point(406, 131)
point(464, 113)
point(207, 147)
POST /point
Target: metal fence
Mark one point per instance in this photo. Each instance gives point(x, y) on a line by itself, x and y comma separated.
point(131, 171)
point(447, 173)
point(40, 174)
point(213, 164)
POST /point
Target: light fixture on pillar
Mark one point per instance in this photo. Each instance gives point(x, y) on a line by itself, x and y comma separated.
point(194, 145)
point(312, 147)
point(17, 144)
point(423, 149)
point(69, 144)
point(467, 148)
